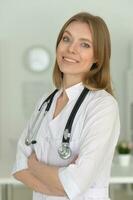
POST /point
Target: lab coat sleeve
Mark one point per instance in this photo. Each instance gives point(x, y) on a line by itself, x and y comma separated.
point(24, 151)
point(97, 143)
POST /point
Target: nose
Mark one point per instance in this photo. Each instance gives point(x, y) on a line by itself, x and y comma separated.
point(72, 48)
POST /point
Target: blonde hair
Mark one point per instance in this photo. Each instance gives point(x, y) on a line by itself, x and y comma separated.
point(99, 75)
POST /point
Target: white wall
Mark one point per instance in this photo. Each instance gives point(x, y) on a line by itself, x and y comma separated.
point(25, 23)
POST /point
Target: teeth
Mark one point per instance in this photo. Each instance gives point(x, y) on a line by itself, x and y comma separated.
point(70, 60)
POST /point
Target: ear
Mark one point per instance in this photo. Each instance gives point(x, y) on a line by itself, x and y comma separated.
point(94, 66)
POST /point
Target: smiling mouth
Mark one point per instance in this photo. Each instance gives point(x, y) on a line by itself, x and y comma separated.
point(70, 60)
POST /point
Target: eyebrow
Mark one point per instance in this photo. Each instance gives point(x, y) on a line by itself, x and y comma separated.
point(83, 39)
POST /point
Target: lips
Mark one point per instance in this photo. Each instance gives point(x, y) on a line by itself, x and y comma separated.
point(70, 60)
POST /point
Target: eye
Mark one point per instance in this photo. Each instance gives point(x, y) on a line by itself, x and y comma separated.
point(86, 45)
point(65, 38)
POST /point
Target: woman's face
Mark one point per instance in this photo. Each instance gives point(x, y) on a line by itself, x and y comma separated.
point(75, 54)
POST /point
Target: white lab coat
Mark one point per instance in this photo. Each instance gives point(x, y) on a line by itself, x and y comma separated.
point(95, 132)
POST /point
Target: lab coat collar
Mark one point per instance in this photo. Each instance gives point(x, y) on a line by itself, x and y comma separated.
point(74, 91)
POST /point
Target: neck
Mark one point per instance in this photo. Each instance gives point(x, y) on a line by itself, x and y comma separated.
point(70, 81)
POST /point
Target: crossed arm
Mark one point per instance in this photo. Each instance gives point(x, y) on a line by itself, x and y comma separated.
point(41, 177)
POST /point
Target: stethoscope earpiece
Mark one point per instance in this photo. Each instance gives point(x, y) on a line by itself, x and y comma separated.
point(28, 143)
point(33, 142)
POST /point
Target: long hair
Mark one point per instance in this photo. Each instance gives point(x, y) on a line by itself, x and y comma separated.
point(99, 75)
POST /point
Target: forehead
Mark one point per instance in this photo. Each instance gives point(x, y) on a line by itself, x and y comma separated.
point(78, 28)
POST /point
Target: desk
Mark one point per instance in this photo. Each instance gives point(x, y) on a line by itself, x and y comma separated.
point(121, 175)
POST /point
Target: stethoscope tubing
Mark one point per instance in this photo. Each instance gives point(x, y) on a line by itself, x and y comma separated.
point(64, 150)
point(32, 134)
point(75, 109)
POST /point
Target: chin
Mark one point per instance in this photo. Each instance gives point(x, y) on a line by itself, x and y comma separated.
point(67, 71)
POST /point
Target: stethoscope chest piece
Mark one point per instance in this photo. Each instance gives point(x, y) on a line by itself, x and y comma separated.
point(65, 151)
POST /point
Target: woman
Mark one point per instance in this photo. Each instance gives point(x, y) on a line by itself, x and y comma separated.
point(82, 63)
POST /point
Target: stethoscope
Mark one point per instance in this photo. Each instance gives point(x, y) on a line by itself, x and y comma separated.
point(64, 150)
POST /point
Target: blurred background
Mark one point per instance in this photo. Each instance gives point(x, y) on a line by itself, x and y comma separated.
point(28, 24)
